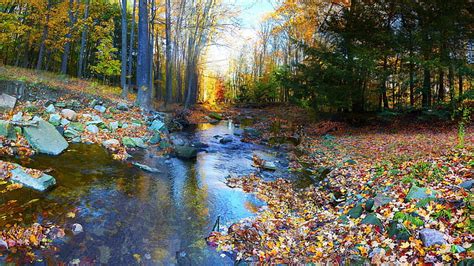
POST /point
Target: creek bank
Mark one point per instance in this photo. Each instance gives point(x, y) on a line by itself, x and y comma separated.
point(370, 198)
point(45, 121)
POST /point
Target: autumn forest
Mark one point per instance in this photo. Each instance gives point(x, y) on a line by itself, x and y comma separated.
point(219, 132)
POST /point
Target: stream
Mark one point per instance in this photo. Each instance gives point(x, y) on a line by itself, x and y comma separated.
point(130, 216)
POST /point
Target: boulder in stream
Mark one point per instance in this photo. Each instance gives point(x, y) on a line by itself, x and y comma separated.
point(186, 152)
point(225, 140)
point(44, 182)
point(44, 138)
point(147, 168)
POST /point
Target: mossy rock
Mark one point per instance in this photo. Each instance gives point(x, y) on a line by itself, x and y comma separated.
point(215, 115)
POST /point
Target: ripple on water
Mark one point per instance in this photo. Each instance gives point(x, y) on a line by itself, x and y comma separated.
point(161, 217)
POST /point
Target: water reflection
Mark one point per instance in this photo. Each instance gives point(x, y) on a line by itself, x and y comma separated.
point(130, 216)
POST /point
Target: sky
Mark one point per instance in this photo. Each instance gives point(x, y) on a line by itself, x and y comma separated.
point(230, 43)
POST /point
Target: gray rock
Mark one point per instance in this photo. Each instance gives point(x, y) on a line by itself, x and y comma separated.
point(43, 183)
point(76, 126)
point(65, 122)
point(44, 138)
point(71, 133)
point(100, 108)
point(186, 152)
point(133, 142)
point(54, 119)
point(93, 103)
point(110, 142)
point(114, 125)
point(96, 118)
point(177, 140)
point(146, 168)
point(226, 139)
point(468, 184)
point(431, 237)
point(269, 166)
point(60, 104)
point(122, 107)
point(92, 129)
point(155, 139)
point(157, 125)
point(6, 130)
point(77, 229)
point(50, 109)
point(211, 120)
point(7, 102)
point(18, 117)
point(69, 114)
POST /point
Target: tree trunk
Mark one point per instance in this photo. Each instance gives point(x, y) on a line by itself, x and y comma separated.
point(460, 86)
point(130, 54)
point(67, 45)
point(384, 84)
point(143, 70)
point(159, 77)
point(426, 94)
point(80, 66)
point(441, 91)
point(412, 84)
point(123, 72)
point(151, 51)
point(44, 35)
point(169, 88)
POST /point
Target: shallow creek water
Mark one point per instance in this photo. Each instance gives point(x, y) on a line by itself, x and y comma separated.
point(132, 216)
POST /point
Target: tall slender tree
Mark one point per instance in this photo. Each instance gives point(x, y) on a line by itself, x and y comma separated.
point(143, 69)
point(169, 88)
point(123, 72)
point(131, 46)
point(67, 44)
point(80, 67)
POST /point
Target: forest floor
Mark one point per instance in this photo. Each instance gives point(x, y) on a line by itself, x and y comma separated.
point(385, 192)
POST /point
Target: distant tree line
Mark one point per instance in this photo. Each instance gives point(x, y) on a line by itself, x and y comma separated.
point(359, 55)
point(151, 45)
